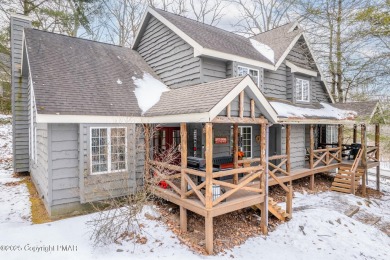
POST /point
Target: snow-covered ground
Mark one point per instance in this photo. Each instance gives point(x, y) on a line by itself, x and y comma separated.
point(319, 229)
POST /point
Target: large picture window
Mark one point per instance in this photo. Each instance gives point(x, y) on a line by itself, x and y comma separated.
point(254, 74)
point(302, 90)
point(108, 150)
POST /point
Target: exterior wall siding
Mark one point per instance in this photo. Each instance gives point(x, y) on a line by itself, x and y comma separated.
point(96, 187)
point(275, 83)
point(212, 69)
point(64, 161)
point(297, 145)
point(19, 97)
point(169, 56)
point(39, 168)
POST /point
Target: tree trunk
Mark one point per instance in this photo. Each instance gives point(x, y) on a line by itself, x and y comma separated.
point(339, 54)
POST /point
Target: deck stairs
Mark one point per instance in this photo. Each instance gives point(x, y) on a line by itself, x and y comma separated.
point(346, 175)
point(275, 210)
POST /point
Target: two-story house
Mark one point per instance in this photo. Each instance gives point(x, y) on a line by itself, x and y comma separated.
point(241, 113)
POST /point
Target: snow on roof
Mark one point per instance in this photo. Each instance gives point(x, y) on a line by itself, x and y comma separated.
point(264, 49)
point(148, 91)
point(325, 111)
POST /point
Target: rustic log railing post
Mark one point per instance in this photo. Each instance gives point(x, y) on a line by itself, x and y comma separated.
point(340, 141)
point(327, 155)
point(235, 152)
point(311, 186)
point(364, 157)
point(209, 188)
point(289, 196)
point(377, 156)
point(354, 139)
point(147, 153)
point(288, 151)
point(263, 162)
point(183, 145)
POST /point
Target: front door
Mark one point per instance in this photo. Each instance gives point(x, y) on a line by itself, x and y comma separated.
point(166, 143)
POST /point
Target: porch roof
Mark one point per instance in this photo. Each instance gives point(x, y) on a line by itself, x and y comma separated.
point(366, 110)
point(324, 113)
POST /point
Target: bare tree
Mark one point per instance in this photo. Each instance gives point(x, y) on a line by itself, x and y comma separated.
point(207, 11)
point(258, 16)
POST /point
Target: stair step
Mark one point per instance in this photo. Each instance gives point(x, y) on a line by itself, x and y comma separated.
point(344, 180)
point(340, 190)
point(342, 185)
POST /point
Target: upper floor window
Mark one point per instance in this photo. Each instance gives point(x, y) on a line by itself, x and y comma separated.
point(108, 150)
point(254, 74)
point(302, 89)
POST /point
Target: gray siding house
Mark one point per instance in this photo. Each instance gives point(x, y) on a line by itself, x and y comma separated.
point(83, 111)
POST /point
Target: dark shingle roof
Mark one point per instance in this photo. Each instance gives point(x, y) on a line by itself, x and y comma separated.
point(279, 38)
point(193, 99)
point(213, 38)
point(75, 76)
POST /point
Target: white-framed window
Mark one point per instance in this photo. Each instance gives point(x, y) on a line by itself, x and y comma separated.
point(244, 140)
point(108, 149)
point(254, 74)
point(333, 134)
point(302, 90)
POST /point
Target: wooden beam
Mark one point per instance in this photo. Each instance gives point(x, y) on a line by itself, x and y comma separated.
point(209, 230)
point(241, 108)
point(183, 145)
point(288, 150)
point(147, 152)
point(364, 158)
point(253, 110)
point(354, 139)
point(235, 151)
point(289, 200)
point(263, 162)
point(229, 110)
point(377, 156)
point(311, 186)
point(209, 165)
point(244, 120)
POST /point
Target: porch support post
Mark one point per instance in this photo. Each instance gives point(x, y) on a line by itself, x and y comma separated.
point(364, 158)
point(311, 185)
point(354, 139)
point(340, 141)
point(183, 145)
point(209, 188)
point(288, 169)
point(377, 156)
point(147, 153)
point(264, 178)
point(288, 151)
point(235, 151)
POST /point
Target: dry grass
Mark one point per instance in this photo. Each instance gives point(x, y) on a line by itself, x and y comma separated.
point(39, 214)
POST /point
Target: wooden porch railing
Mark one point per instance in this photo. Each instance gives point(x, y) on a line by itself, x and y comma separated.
point(171, 175)
point(372, 154)
point(325, 156)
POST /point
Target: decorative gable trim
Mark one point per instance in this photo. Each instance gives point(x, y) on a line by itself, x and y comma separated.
point(295, 68)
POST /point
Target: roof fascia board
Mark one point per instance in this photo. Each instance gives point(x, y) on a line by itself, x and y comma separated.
point(293, 26)
point(21, 16)
point(140, 30)
point(245, 82)
point(318, 67)
point(295, 68)
point(283, 57)
point(90, 119)
point(317, 121)
point(232, 57)
point(176, 30)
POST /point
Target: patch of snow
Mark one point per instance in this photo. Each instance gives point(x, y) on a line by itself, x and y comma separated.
point(264, 50)
point(286, 110)
point(119, 82)
point(148, 91)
